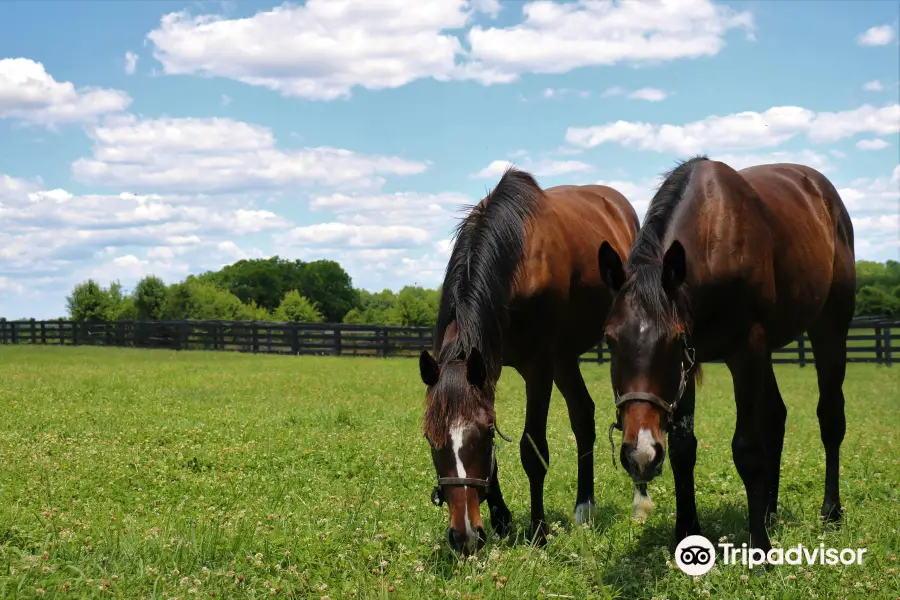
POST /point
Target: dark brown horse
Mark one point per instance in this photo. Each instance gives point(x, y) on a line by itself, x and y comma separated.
point(522, 289)
point(730, 265)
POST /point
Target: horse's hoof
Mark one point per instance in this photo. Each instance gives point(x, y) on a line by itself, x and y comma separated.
point(537, 533)
point(832, 513)
point(683, 531)
point(584, 513)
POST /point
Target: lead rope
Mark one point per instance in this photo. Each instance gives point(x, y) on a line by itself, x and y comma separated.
point(612, 444)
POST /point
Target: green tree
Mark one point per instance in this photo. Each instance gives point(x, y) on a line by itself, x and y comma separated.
point(297, 308)
point(266, 281)
point(150, 295)
point(375, 309)
point(417, 307)
point(91, 302)
point(873, 301)
point(329, 287)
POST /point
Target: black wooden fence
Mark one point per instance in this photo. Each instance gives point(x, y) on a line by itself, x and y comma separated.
point(870, 339)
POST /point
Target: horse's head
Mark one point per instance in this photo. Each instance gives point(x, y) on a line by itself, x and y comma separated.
point(650, 359)
point(459, 426)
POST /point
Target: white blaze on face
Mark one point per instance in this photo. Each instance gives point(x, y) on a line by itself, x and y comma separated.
point(644, 451)
point(456, 437)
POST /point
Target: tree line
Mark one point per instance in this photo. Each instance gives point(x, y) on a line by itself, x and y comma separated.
point(275, 289)
point(272, 289)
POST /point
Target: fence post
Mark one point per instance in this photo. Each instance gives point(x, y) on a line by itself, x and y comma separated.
point(255, 336)
point(13, 331)
point(60, 333)
point(295, 338)
point(879, 352)
point(33, 331)
point(180, 334)
point(338, 340)
point(801, 349)
point(43, 332)
point(888, 351)
point(2, 330)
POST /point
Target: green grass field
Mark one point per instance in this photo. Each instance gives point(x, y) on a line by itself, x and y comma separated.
point(154, 474)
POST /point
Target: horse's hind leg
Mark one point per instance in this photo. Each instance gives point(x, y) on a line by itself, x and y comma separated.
point(567, 375)
point(776, 416)
point(828, 337)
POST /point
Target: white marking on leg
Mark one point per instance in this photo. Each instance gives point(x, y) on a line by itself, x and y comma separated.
point(644, 451)
point(456, 437)
point(643, 505)
point(584, 513)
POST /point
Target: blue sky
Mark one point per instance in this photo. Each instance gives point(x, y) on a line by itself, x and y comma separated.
point(176, 137)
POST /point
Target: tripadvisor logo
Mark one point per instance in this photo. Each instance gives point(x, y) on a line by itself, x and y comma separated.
point(696, 555)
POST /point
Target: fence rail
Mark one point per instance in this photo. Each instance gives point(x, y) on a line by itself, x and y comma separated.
point(869, 340)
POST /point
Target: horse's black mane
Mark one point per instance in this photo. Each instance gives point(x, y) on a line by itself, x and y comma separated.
point(644, 267)
point(489, 244)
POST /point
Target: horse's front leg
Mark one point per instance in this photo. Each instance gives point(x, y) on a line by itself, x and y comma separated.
point(683, 457)
point(501, 517)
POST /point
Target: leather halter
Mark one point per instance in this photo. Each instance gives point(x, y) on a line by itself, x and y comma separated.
point(688, 361)
point(437, 495)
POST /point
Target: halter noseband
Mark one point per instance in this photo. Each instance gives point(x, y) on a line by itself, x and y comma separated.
point(687, 365)
point(437, 495)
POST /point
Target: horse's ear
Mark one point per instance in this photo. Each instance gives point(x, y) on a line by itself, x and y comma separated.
point(611, 270)
point(674, 267)
point(476, 371)
point(428, 368)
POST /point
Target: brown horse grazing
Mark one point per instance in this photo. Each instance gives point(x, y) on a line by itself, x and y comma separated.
point(522, 289)
point(732, 264)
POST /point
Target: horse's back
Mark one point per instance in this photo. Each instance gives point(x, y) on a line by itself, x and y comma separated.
point(810, 225)
point(586, 211)
point(783, 231)
point(560, 267)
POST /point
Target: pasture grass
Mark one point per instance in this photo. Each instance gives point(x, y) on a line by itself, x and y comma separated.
point(156, 474)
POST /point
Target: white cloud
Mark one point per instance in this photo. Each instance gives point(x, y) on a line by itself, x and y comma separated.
point(325, 48)
point(539, 168)
point(557, 37)
point(649, 94)
point(10, 287)
point(131, 61)
point(558, 93)
point(432, 212)
point(320, 50)
point(344, 235)
point(29, 93)
point(215, 155)
point(741, 131)
point(491, 8)
point(615, 90)
point(873, 86)
point(873, 144)
point(52, 233)
point(880, 35)
point(867, 196)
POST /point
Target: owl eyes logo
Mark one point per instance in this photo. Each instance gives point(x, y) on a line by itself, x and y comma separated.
point(695, 555)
